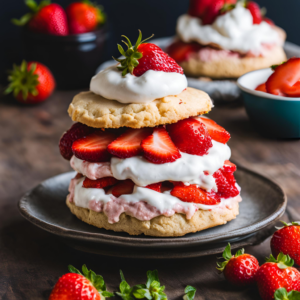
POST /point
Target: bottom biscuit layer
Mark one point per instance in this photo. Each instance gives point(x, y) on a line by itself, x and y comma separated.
point(176, 225)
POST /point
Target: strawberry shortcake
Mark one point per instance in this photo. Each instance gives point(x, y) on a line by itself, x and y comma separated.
point(226, 39)
point(147, 162)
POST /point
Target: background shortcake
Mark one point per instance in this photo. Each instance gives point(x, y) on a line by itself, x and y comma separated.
point(226, 39)
point(146, 162)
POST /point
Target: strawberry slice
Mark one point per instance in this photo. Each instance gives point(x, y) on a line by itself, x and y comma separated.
point(255, 12)
point(194, 194)
point(93, 148)
point(124, 187)
point(226, 184)
point(216, 132)
point(190, 136)
point(180, 51)
point(261, 88)
point(76, 132)
point(158, 148)
point(129, 143)
point(155, 186)
point(229, 166)
point(99, 183)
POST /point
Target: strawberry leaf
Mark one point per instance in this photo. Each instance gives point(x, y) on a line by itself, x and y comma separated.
point(283, 261)
point(73, 270)
point(282, 294)
point(190, 293)
point(125, 289)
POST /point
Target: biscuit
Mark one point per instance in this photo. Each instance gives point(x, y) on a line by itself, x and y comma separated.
point(232, 67)
point(98, 112)
point(161, 226)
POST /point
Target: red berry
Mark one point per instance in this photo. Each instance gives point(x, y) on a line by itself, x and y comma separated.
point(155, 59)
point(123, 187)
point(180, 51)
point(154, 186)
point(93, 148)
point(145, 56)
point(129, 143)
point(197, 8)
point(216, 132)
point(255, 12)
point(285, 79)
point(229, 166)
point(212, 12)
point(261, 88)
point(31, 83)
point(287, 241)
point(275, 274)
point(99, 183)
point(45, 18)
point(226, 184)
point(77, 286)
point(192, 193)
point(239, 269)
point(158, 148)
point(83, 17)
point(190, 136)
point(76, 132)
point(269, 21)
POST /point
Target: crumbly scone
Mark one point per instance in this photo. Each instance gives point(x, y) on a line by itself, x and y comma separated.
point(98, 112)
point(231, 67)
point(176, 225)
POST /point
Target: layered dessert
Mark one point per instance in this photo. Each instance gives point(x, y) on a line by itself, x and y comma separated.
point(147, 162)
point(226, 39)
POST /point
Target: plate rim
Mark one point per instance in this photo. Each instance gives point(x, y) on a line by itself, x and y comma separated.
point(142, 241)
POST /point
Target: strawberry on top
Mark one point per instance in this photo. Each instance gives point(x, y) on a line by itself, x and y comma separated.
point(145, 56)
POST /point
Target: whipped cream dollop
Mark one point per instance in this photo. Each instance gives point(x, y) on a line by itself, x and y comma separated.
point(110, 84)
point(188, 169)
point(233, 31)
point(143, 204)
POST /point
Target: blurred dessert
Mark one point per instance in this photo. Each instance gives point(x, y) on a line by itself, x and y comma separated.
point(226, 39)
point(146, 162)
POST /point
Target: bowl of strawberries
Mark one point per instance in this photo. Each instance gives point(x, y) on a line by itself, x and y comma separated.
point(272, 99)
point(70, 42)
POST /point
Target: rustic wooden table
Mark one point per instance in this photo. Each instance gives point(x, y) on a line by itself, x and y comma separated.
point(32, 260)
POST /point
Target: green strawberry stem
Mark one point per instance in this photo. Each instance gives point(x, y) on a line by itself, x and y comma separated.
point(227, 256)
point(97, 280)
point(34, 7)
point(23, 81)
point(132, 55)
point(282, 294)
point(283, 261)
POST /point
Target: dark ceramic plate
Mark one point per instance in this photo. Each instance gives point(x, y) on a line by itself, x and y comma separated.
point(263, 203)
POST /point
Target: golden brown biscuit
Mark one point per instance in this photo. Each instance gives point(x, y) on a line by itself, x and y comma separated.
point(176, 225)
point(231, 67)
point(96, 111)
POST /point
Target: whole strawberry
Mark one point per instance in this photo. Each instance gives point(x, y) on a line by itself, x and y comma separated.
point(255, 11)
point(239, 269)
point(145, 56)
point(44, 18)
point(287, 241)
point(275, 274)
point(31, 82)
point(84, 17)
point(77, 286)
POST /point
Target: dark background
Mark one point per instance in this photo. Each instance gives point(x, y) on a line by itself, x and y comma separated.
point(127, 16)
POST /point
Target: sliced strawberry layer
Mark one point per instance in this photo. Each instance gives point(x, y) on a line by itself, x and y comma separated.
point(93, 148)
point(124, 187)
point(180, 51)
point(229, 166)
point(76, 132)
point(226, 184)
point(216, 132)
point(158, 148)
point(155, 187)
point(99, 183)
point(190, 136)
point(129, 143)
point(194, 194)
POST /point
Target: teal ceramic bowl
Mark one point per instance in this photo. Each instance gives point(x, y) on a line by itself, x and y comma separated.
point(273, 116)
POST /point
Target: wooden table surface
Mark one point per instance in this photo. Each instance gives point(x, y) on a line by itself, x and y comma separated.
point(32, 260)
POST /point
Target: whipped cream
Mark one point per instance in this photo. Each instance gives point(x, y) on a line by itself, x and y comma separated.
point(152, 85)
point(143, 204)
point(188, 169)
point(233, 31)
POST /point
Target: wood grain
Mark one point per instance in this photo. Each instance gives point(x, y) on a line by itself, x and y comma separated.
point(32, 260)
